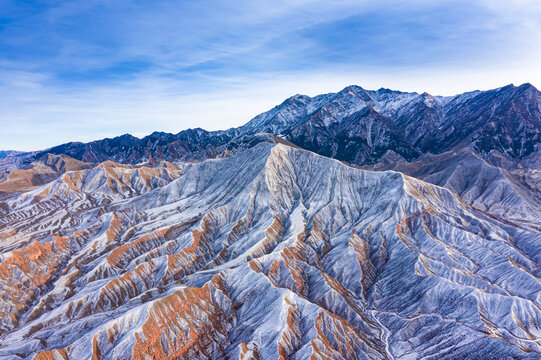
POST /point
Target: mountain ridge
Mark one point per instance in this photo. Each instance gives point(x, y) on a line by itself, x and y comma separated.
point(258, 123)
point(344, 249)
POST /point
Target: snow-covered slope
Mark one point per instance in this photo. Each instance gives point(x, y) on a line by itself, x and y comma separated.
point(509, 193)
point(46, 169)
point(273, 252)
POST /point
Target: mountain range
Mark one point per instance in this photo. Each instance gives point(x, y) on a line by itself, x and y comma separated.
point(353, 225)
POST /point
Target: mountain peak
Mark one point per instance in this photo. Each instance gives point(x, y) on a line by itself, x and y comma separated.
point(353, 88)
point(528, 86)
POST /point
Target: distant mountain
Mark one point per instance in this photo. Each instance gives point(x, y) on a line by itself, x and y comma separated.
point(359, 126)
point(42, 171)
point(6, 153)
point(157, 146)
point(362, 126)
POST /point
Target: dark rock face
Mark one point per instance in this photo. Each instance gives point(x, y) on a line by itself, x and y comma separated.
point(360, 126)
point(157, 146)
point(361, 138)
point(514, 127)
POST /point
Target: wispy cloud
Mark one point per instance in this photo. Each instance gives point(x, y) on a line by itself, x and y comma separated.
point(74, 70)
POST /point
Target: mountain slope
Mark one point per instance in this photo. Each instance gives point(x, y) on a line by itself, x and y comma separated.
point(272, 252)
point(43, 170)
point(513, 193)
point(6, 153)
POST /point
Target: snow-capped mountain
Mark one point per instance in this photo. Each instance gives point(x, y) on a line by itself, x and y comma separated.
point(356, 125)
point(362, 127)
point(352, 225)
point(272, 252)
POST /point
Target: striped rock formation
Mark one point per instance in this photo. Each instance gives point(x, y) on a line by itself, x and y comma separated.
point(272, 252)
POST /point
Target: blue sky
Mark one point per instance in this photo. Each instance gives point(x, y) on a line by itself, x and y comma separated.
point(84, 70)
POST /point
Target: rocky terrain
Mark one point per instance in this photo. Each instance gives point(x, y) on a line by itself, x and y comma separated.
point(356, 225)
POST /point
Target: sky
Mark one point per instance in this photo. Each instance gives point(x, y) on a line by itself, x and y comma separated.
point(86, 70)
